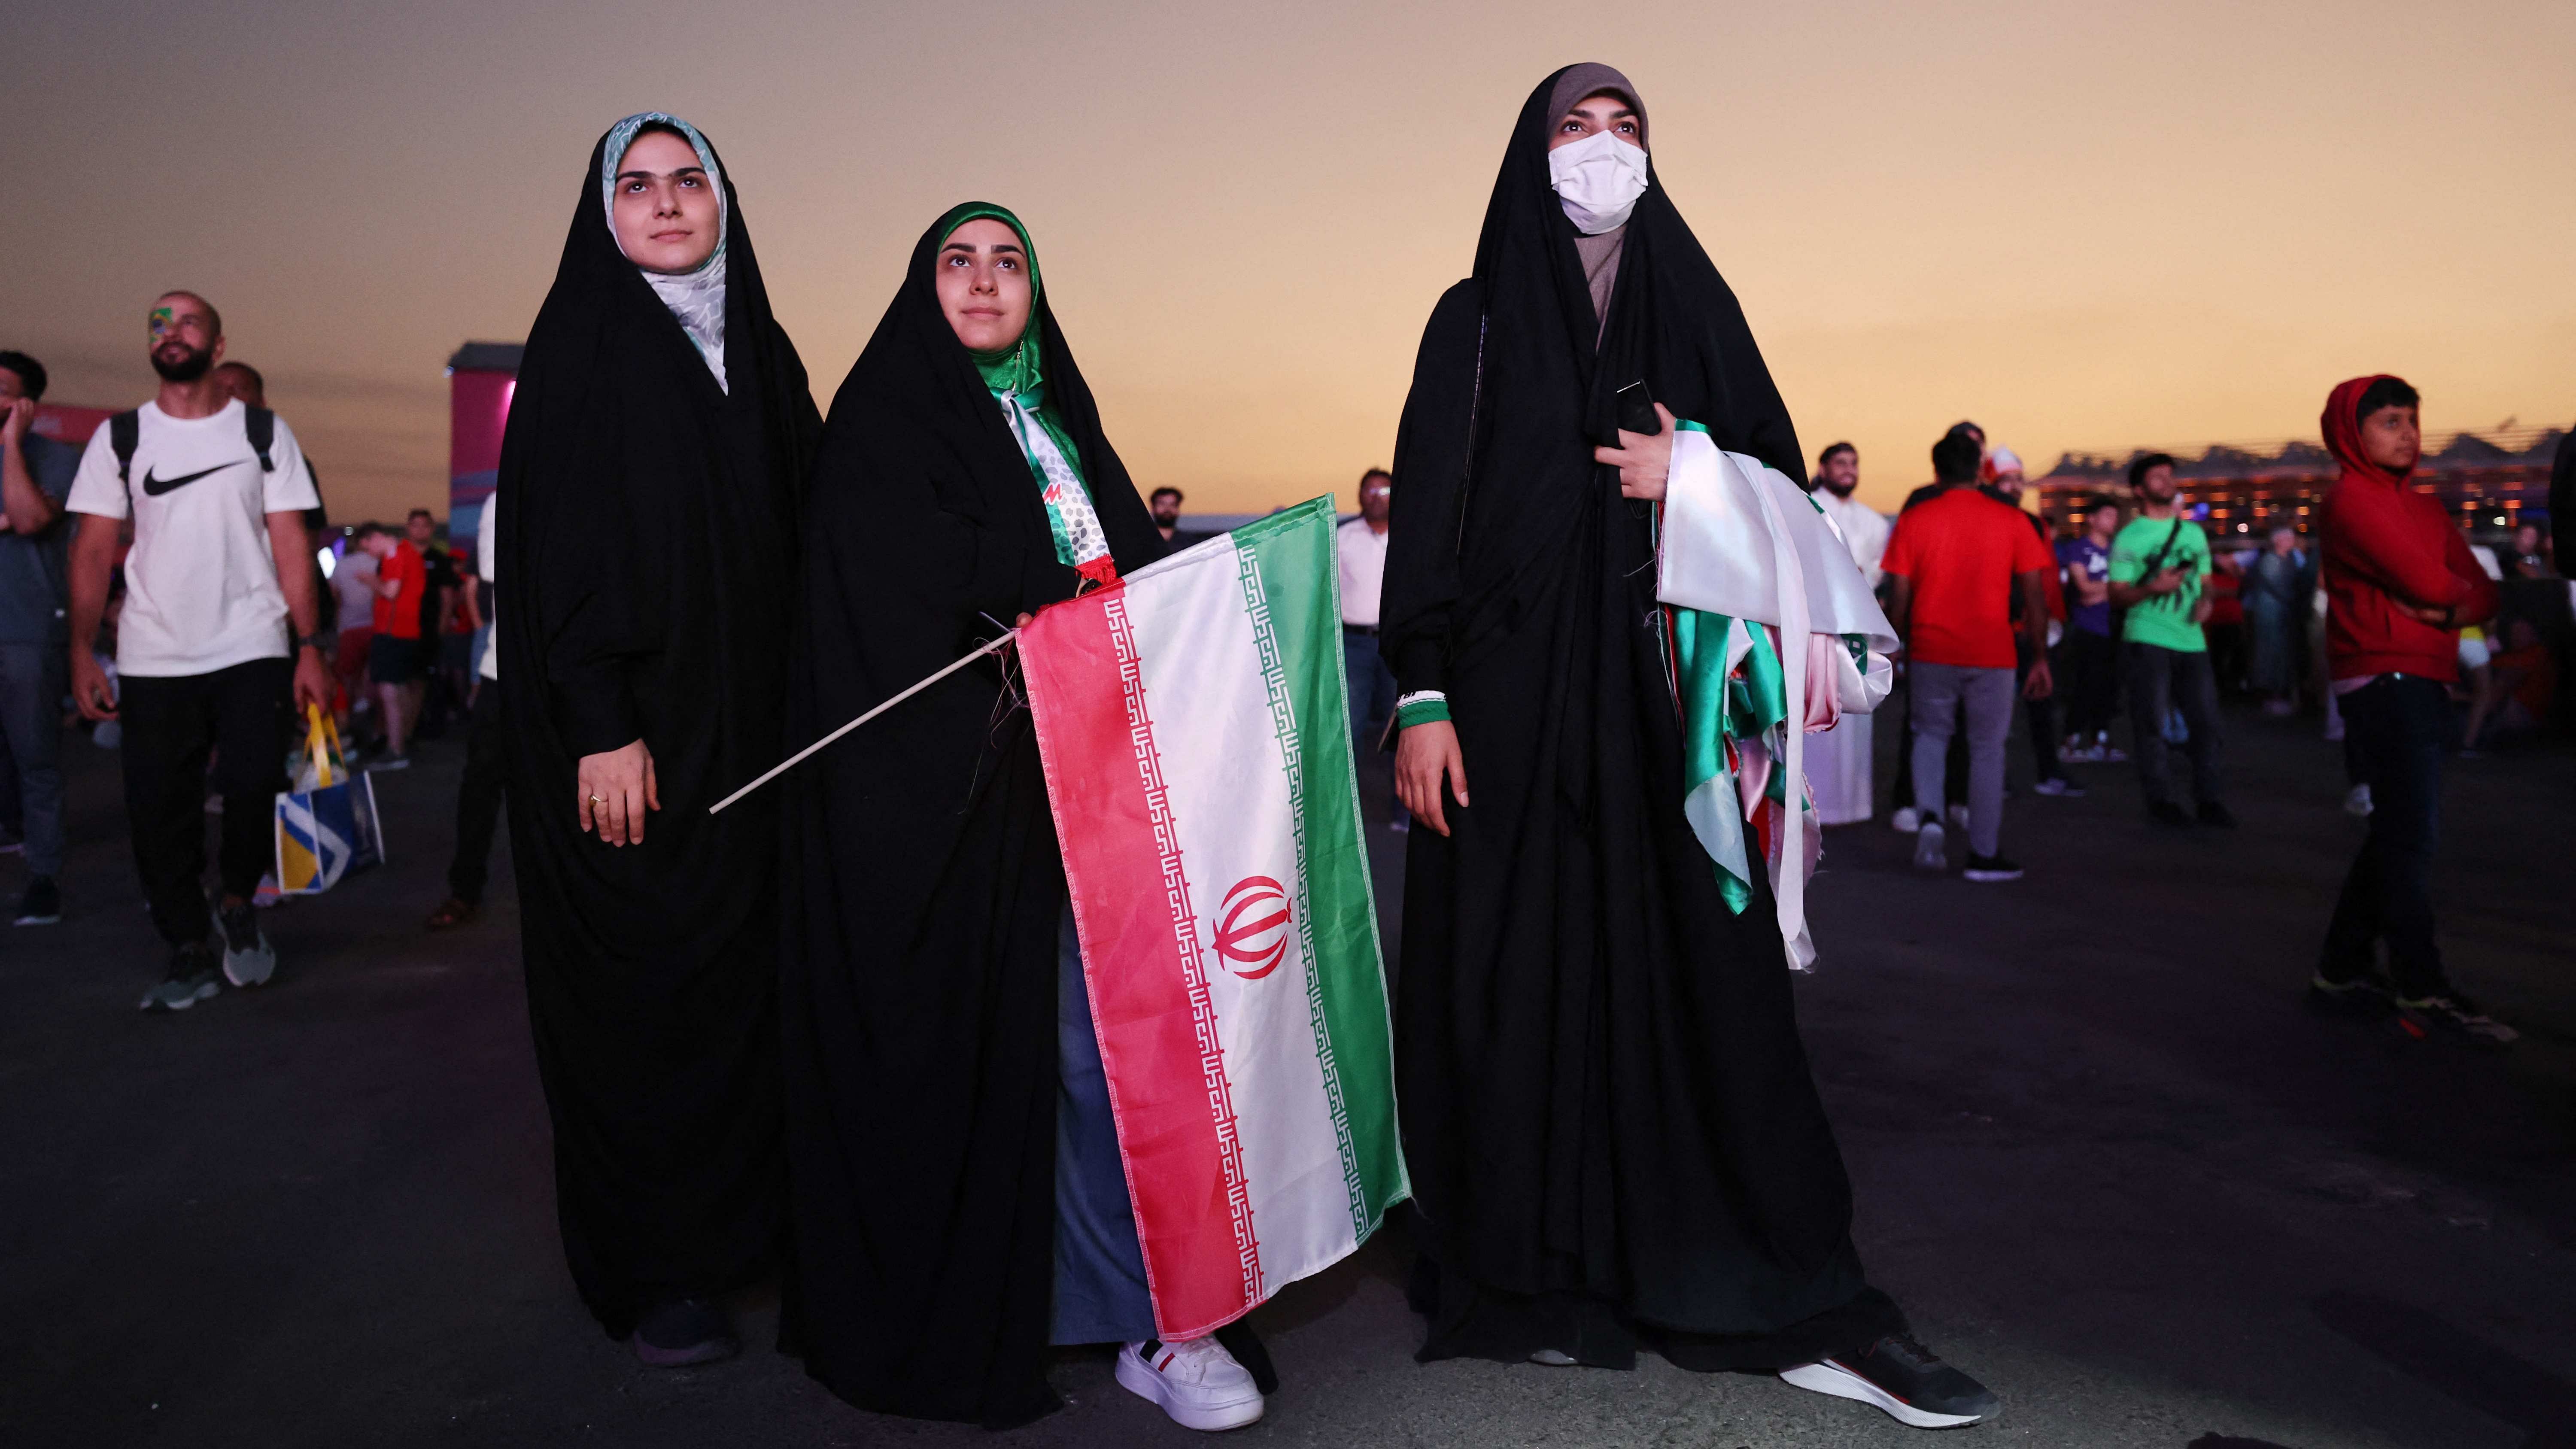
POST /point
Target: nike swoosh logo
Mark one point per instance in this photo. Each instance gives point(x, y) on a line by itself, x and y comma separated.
point(155, 487)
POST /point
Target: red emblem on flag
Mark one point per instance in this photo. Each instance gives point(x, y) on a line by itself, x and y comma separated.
point(1252, 936)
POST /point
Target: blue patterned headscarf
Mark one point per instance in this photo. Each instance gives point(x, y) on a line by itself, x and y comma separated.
point(696, 298)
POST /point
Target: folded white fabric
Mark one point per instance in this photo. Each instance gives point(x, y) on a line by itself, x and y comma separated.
point(1718, 554)
point(1741, 540)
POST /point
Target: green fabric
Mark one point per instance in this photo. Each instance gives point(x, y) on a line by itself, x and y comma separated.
point(1708, 701)
point(2164, 622)
point(1291, 590)
point(1019, 370)
point(1421, 711)
point(1723, 701)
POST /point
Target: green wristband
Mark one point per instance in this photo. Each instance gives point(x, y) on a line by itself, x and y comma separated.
point(1421, 712)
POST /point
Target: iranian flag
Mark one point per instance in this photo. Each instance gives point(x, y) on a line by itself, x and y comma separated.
point(1198, 756)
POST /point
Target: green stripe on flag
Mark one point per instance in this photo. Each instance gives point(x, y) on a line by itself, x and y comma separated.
point(1292, 586)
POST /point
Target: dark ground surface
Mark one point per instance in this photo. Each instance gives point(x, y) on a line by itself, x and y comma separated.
point(2102, 1155)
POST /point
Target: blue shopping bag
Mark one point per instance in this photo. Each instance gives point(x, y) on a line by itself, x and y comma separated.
point(327, 825)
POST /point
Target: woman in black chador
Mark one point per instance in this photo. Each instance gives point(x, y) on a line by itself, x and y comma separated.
point(657, 440)
point(1613, 1133)
point(959, 1200)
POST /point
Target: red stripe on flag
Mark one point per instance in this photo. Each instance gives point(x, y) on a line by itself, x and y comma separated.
point(1143, 965)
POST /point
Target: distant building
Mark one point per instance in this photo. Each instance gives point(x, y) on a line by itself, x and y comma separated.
point(2489, 481)
point(480, 378)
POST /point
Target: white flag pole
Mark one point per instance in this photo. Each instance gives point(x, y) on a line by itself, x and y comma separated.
point(783, 766)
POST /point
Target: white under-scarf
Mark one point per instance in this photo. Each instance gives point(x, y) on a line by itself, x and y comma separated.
point(697, 297)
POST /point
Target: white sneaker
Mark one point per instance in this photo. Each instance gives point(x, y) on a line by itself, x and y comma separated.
point(1195, 1381)
point(1959, 816)
point(2357, 801)
point(1931, 851)
point(1907, 820)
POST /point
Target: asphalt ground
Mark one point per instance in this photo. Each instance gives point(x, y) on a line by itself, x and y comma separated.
point(2103, 1155)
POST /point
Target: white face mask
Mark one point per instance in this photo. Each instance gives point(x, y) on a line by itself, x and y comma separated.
point(1598, 180)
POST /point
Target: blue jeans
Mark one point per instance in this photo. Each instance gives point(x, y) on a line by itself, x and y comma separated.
point(2394, 727)
point(1100, 1290)
point(1372, 688)
point(31, 720)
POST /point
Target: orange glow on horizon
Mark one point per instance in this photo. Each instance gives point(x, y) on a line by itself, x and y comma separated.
point(2083, 227)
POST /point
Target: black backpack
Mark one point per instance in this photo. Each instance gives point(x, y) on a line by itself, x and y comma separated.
point(125, 433)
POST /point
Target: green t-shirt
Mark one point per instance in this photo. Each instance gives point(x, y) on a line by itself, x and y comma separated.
point(2164, 621)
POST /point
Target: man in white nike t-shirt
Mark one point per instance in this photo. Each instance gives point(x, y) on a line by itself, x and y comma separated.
point(220, 569)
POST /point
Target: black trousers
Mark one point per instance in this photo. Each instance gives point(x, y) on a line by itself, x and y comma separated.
point(171, 724)
point(2395, 724)
point(2088, 680)
point(2039, 716)
point(2161, 681)
point(478, 797)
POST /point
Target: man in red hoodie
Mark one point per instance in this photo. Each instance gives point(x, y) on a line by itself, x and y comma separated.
point(2400, 583)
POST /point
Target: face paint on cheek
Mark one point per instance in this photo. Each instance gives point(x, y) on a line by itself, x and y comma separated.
point(164, 321)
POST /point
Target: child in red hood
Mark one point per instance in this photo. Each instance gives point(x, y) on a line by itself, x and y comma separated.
point(2399, 583)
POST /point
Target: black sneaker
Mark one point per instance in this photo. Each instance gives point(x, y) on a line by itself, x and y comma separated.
point(2216, 815)
point(2458, 1017)
point(42, 905)
point(248, 958)
point(1991, 868)
point(2166, 812)
point(683, 1332)
point(194, 975)
point(1904, 1378)
point(2361, 996)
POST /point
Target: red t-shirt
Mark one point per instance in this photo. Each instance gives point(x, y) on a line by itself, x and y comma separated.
point(1962, 551)
point(399, 616)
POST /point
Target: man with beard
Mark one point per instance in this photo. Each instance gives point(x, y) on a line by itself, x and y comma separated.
point(2158, 565)
point(1166, 508)
point(217, 493)
point(1838, 760)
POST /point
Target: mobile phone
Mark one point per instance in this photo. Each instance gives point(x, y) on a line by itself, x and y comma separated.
point(1636, 409)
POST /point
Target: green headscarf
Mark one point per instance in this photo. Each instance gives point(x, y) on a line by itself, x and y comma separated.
point(1016, 368)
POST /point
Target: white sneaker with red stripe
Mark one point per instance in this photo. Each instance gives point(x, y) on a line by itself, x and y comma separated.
point(1195, 1381)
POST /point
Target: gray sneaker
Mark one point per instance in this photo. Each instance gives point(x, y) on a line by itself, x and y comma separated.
point(1931, 848)
point(248, 958)
point(193, 977)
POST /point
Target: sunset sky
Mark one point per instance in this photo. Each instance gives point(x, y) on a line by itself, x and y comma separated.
point(2084, 226)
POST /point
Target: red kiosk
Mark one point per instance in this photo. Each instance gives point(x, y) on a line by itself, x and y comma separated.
point(480, 379)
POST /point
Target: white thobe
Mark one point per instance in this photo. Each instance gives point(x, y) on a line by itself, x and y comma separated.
point(1838, 761)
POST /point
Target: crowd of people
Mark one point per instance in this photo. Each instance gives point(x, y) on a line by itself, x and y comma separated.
point(196, 608)
point(2128, 604)
point(838, 1034)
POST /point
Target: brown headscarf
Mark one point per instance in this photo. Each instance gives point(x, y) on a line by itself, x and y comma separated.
point(1600, 253)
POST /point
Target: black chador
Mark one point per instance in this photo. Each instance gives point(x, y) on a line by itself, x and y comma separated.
point(1613, 1132)
point(649, 477)
point(921, 1000)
